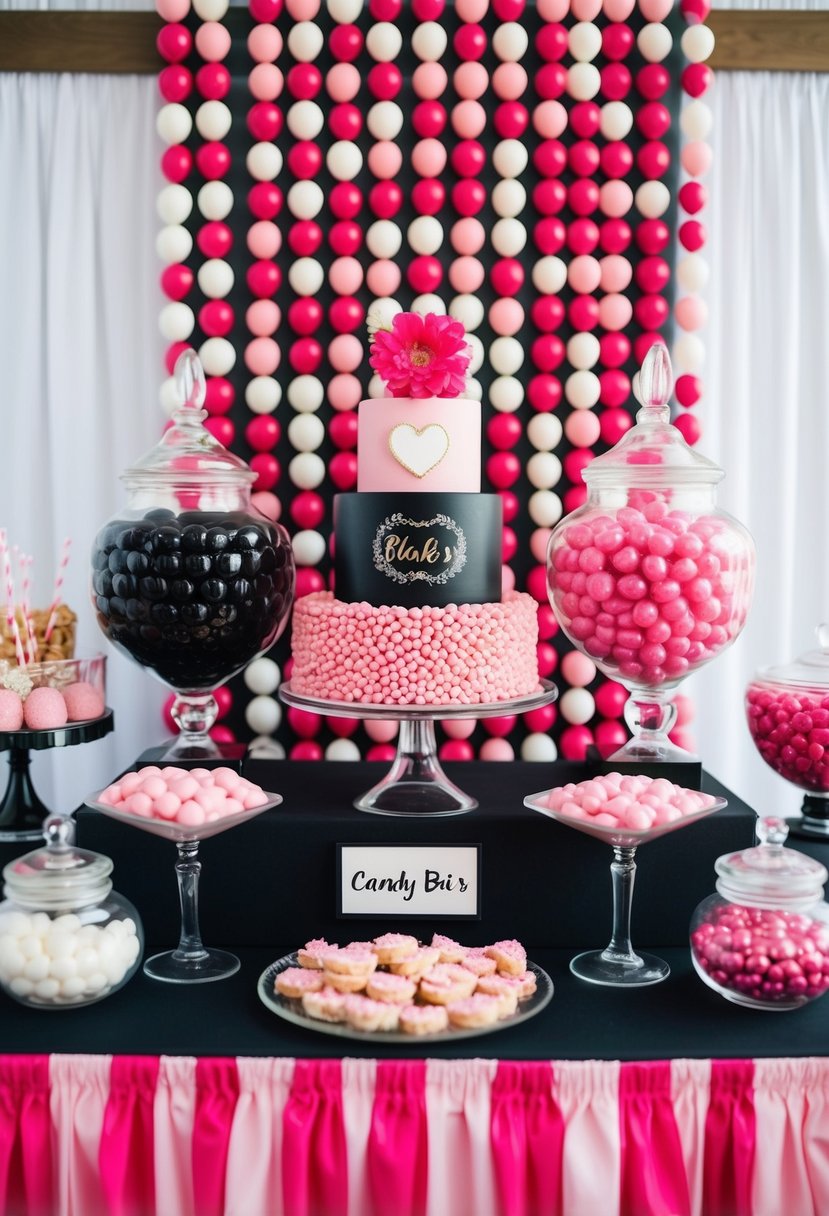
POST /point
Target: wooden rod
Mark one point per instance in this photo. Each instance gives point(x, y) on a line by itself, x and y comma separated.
point(39, 41)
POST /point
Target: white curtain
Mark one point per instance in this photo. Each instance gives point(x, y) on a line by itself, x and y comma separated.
point(81, 357)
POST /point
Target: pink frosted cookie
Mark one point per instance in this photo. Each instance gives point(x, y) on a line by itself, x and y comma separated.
point(423, 1019)
point(473, 1011)
point(479, 963)
point(44, 709)
point(311, 953)
point(392, 947)
point(450, 950)
point(522, 985)
point(396, 989)
point(506, 997)
point(350, 961)
point(327, 1005)
point(445, 983)
point(296, 981)
point(364, 1014)
point(83, 702)
point(11, 710)
point(510, 957)
point(417, 964)
point(342, 982)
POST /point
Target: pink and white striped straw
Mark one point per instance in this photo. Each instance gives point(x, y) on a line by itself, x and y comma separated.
point(11, 618)
point(61, 571)
point(26, 564)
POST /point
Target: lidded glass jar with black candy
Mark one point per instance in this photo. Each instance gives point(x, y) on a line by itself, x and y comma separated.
point(189, 580)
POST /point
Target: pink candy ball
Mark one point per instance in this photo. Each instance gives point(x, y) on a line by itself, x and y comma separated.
point(11, 710)
point(45, 709)
point(83, 702)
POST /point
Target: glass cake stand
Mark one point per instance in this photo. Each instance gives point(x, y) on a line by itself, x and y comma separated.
point(416, 784)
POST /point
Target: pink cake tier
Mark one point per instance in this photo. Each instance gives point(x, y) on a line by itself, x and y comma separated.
point(432, 444)
point(466, 654)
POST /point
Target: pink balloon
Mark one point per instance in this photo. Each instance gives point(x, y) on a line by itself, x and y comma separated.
point(303, 10)
point(264, 239)
point(172, 10)
point(458, 728)
point(267, 504)
point(509, 80)
point(507, 579)
point(586, 10)
point(582, 428)
point(553, 10)
point(578, 669)
point(496, 749)
point(263, 318)
point(212, 41)
point(615, 198)
point(383, 277)
point(584, 274)
point(616, 273)
point(262, 356)
point(615, 312)
point(385, 160)
point(618, 10)
point(456, 749)
point(428, 157)
point(342, 82)
point(264, 43)
point(696, 158)
point(691, 312)
point(506, 317)
point(381, 730)
point(540, 539)
point(468, 119)
point(467, 236)
point(344, 392)
point(471, 11)
point(346, 278)
point(655, 10)
point(345, 353)
point(466, 275)
point(471, 80)
point(550, 119)
point(265, 82)
point(429, 80)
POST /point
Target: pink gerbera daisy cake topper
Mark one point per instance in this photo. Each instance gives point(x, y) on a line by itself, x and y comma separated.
point(421, 356)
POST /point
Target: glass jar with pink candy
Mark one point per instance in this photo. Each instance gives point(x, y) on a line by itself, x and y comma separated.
point(650, 578)
point(787, 708)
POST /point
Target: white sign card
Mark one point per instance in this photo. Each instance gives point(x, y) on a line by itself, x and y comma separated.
point(421, 880)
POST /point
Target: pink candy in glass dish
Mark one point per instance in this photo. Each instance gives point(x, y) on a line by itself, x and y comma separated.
point(787, 708)
point(650, 578)
point(763, 940)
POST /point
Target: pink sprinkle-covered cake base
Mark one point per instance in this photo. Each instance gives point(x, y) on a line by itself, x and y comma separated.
point(467, 654)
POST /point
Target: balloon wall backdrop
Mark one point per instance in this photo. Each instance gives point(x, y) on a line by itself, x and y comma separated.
point(533, 169)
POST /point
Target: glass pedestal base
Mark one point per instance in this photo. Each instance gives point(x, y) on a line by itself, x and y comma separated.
point(416, 783)
point(175, 967)
point(602, 967)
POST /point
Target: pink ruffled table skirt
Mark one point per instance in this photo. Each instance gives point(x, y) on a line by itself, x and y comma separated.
point(95, 1135)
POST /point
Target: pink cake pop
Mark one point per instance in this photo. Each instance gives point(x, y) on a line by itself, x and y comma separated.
point(45, 709)
point(11, 710)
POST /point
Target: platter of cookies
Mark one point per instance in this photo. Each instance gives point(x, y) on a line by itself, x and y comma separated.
point(395, 989)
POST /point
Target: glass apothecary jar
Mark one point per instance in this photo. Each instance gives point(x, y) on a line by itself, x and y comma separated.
point(66, 938)
point(763, 940)
point(190, 580)
point(650, 578)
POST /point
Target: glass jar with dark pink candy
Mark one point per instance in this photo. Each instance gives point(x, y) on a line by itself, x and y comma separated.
point(189, 580)
point(787, 708)
point(650, 578)
point(763, 939)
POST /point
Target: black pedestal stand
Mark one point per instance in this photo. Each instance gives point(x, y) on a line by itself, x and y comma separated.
point(815, 821)
point(21, 811)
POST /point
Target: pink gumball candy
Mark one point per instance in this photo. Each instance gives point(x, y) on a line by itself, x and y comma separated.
point(11, 710)
point(83, 702)
point(45, 709)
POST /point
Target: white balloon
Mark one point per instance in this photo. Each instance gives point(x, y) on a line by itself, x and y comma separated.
point(476, 360)
point(263, 394)
point(544, 470)
point(305, 41)
point(509, 198)
point(689, 354)
point(510, 41)
point(169, 395)
point(508, 236)
point(215, 200)
point(692, 272)
point(577, 706)
point(342, 749)
point(506, 356)
point(582, 389)
point(429, 41)
point(307, 470)
point(215, 278)
point(654, 41)
point(345, 12)
point(584, 41)
point(306, 394)
point(384, 41)
point(174, 204)
point(544, 508)
point(305, 200)
point(376, 387)
point(510, 158)
point(583, 351)
point(383, 239)
point(425, 234)
point(262, 676)
point(697, 43)
point(583, 81)
point(381, 312)
point(264, 161)
point(652, 199)
point(305, 119)
point(218, 356)
point(173, 123)
point(469, 310)
point(213, 120)
point(309, 547)
point(176, 322)
point(506, 394)
point(549, 275)
point(385, 120)
point(173, 244)
point(544, 432)
point(539, 748)
point(263, 714)
point(306, 432)
point(344, 160)
point(696, 119)
point(616, 120)
point(473, 390)
point(306, 276)
point(210, 10)
point(429, 302)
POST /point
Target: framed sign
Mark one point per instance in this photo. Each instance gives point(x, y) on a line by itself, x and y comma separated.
point(426, 881)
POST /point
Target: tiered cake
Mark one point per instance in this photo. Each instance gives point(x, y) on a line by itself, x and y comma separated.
point(419, 617)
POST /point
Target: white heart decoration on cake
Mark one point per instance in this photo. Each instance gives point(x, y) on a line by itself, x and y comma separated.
point(418, 451)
